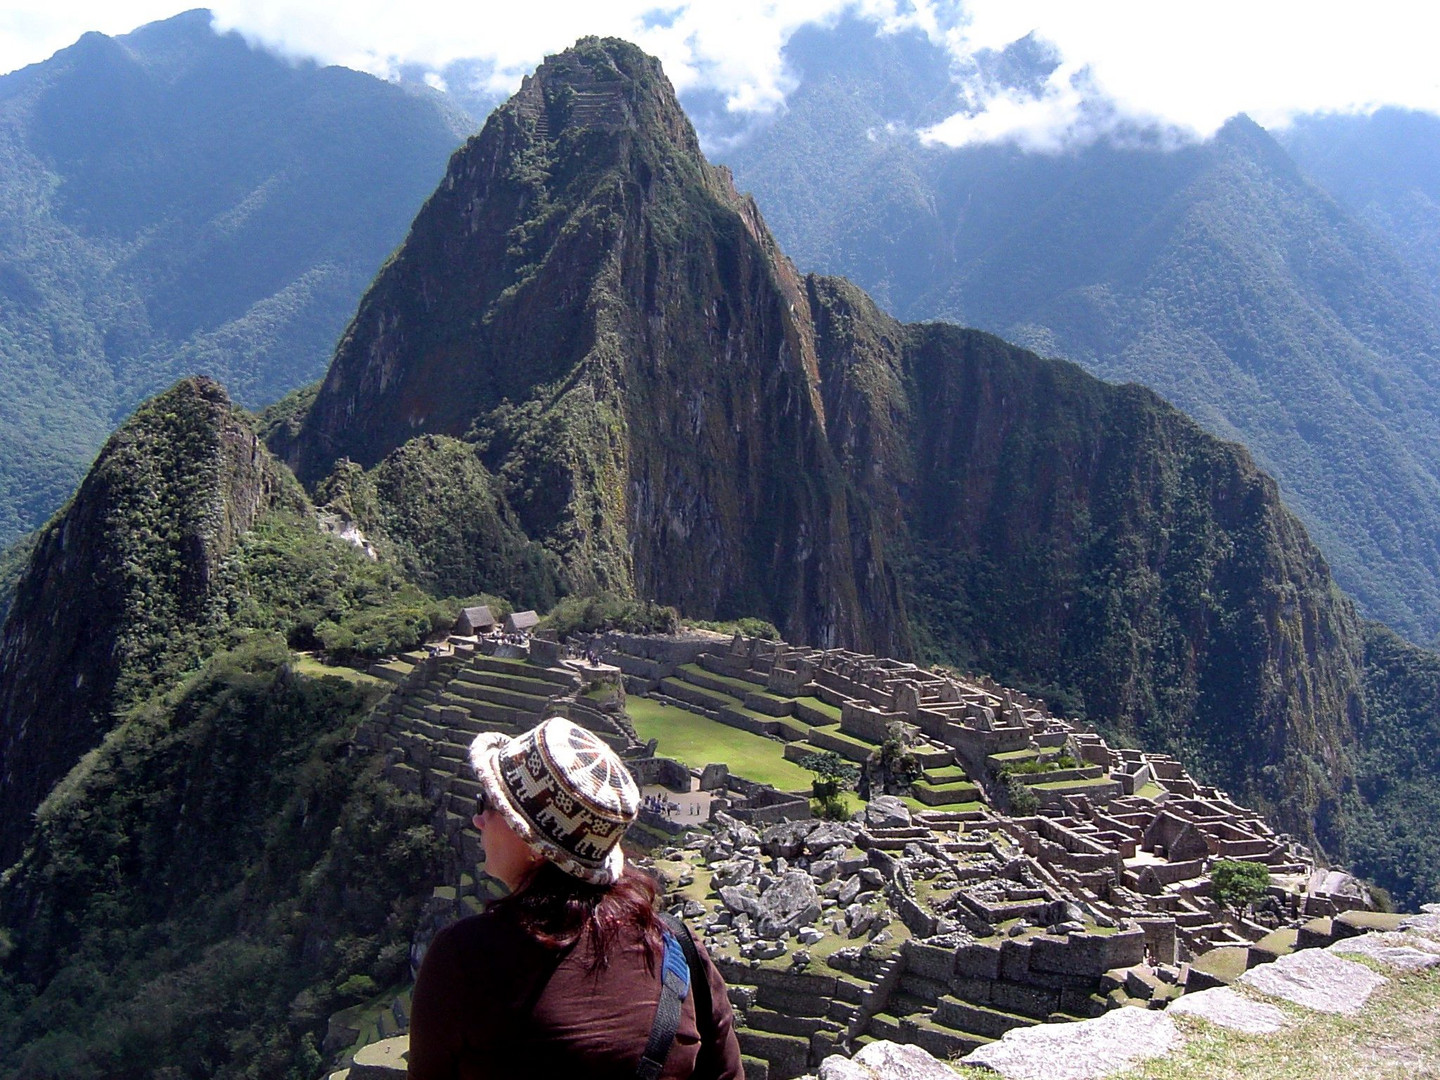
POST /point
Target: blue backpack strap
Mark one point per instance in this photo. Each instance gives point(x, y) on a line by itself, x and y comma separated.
point(674, 988)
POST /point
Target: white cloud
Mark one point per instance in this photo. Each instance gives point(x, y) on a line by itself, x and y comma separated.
point(1190, 67)
point(733, 46)
point(1179, 67)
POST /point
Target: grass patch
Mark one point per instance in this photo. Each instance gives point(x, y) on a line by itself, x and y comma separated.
point(1149, 791)
point(304, 664)
point(741, 686)
point(832, 711)
point(946, 774)
point(1016, 755)
point(848, 739)
point(678, 688)
point(697, 740)
point(948, 788)
point(1065, 785)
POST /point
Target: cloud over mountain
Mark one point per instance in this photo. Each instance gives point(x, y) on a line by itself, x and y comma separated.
point(1114, 70)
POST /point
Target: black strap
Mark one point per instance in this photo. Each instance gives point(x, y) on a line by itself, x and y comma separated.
point(675, 982)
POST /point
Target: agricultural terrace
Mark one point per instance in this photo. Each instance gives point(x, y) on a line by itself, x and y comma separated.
point(697, 740)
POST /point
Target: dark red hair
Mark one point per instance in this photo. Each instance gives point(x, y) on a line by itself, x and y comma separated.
point(558, 909)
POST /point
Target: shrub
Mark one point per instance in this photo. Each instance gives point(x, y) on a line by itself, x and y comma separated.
point(1023, 802)
point(832, 773)
point(832, 808)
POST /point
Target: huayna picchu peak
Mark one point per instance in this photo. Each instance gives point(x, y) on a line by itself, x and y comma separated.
point(595, 307)
point(233, 710)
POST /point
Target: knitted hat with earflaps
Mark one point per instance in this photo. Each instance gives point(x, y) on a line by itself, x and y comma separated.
point(563, 791)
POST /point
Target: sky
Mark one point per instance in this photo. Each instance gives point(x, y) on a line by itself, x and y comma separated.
point(1167, 65)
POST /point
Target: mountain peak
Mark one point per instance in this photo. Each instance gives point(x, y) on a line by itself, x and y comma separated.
point(570, 197)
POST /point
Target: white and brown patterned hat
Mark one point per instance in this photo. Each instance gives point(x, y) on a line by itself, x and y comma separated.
point(563, 791)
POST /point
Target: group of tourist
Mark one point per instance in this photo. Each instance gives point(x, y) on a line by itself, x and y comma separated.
point(574, 972)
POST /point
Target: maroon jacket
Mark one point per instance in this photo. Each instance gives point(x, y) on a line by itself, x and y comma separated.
point(490, 1001)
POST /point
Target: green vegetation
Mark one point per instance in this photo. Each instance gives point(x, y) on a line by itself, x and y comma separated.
point(741, 687)
point(833, 807)
point(580, 615)
point(750, 626)
point(1237, 883)
point(315, 669)
point(13, 561)
point(895, 764)
point(1021, 801)
point(189, 914)
point(1035, 765)
point(697, 740)
point(321, 592)
point(1389, 818)
point(436, 511)
point(833, 774)
point(831, 712)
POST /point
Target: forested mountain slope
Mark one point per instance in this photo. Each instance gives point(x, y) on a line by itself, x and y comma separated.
point(1217, 274)
point(1385, 169)
point(174, 202)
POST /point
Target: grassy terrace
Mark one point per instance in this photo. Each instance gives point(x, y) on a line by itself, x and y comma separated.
point(518, 684)
point(947, 774)
point(1056, 785)
point(697, 740)
point(520, 666)
point(740, 686)
point(1015, 757)
point(307, 665)
point(823, 707)
point(721, 700)
point(954, 787)
point(851, 740)
point(716, 698)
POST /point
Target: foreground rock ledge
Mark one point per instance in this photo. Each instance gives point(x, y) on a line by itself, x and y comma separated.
point(1080, 1050)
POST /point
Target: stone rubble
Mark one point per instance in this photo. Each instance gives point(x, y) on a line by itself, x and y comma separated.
point(1404, 951)
point(886, 1061)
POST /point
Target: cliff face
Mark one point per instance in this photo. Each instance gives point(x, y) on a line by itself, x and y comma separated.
point(1092, 539)
point(118, 582)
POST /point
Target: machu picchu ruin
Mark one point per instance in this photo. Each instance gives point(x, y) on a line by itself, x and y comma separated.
point(1007, 868)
